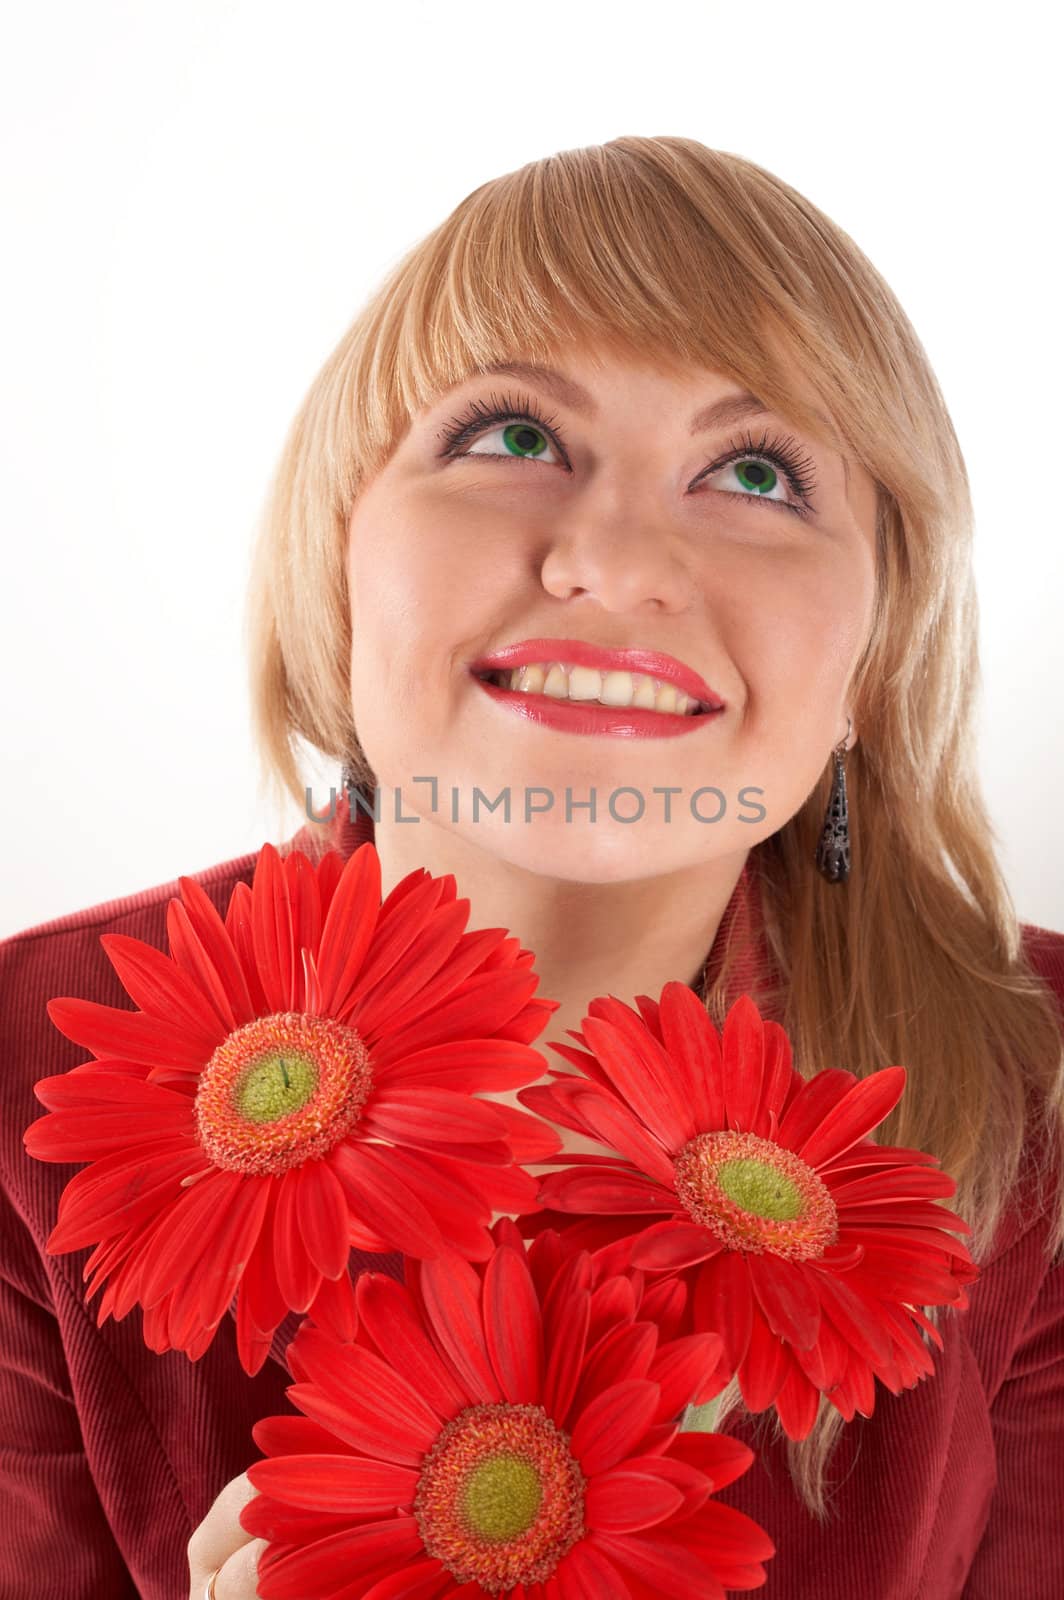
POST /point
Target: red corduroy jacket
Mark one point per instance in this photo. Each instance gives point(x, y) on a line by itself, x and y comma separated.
point(110, 1455)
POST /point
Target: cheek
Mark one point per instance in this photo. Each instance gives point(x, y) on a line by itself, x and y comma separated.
point(409, 593)
point(795, 630)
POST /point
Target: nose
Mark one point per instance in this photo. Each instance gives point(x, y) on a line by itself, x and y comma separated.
point(623, 557)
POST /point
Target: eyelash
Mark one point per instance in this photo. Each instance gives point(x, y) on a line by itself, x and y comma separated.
point(797, 469)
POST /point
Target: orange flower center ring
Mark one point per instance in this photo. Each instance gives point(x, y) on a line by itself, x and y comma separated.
point(280, 1091)
point(756, 1196)
point(500, 1498)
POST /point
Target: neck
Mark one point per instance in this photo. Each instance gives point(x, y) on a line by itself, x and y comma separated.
point(589, 939)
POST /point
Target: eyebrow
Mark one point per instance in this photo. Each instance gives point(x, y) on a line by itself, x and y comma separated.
point(721, 414)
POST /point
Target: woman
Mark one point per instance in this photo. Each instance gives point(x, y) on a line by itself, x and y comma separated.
point(739, 470)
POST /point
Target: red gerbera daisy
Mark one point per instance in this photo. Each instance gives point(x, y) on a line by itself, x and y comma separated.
point(807, 1246)
point(299, 1079)
point(499, 1430)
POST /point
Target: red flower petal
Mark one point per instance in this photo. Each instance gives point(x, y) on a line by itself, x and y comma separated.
point(915, 1214)
point(349, 928)
point(513, 1327)
point(765, 1366)
point(358, 1553)
point(907, 1183)
point(780, 1079)
point(333, 1307)
point(797, 1403)
point(504, 1188)
point(598, 1189)
point(484, 1005)
point(113, 1084)
point(260, 1303)
point(529, 1137)
point(666, 1246)
point(129, 1035)
point(450, 1290)
point(238, 927)
point(297, 1277)
point(722, 1533)
point(433, 970)
point(403, 921)
point(120, 1192)
point(860, 1110)
point(182, 1232)
point(811, 1104)
point(75, 1135)
point(725, 1459)
point(336, 1483)
point(693, 1484)
point(621, 1501)
point(188, 956)
point(379, 1198)
point(415, 1116)
point(615, 1126)
point(671, 1573)
point(199, 943)
point(383, 1401)
point(305, 903)
point(498, 1064)
point(854, 1319)
point(388, 1315)
point(271, 931)
point(688, 1371)
point(614, 1423)
point(692, 1041)
point(159, 986)
point(265, 1518)
point(282, 1436)
point(463, 1209)
point(723, 1303)
point(421, 1580)
point(743, 1050)
point(787, 1295)
point(557, 1103)
point(639, 1071)
point(566, 1322)
point(321, 1205)
point(625, 1351)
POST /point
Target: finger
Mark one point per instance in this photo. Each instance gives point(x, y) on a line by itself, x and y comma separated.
point(238, 1578)
point(220, 1533)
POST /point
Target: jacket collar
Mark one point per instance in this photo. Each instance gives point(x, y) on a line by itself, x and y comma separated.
point(347, 825)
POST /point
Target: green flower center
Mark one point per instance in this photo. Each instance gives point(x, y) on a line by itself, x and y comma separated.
point(502, 1497)
point(274, 1086)
point(760, 1189)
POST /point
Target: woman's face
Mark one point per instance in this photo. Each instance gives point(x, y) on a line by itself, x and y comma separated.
point(613, 523)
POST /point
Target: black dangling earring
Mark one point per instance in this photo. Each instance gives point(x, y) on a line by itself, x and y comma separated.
point(833, 851)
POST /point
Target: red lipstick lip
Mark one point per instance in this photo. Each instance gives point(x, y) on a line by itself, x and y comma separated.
point(580, 654)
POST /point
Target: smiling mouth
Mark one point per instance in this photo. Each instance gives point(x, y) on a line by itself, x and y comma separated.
point(685, 707)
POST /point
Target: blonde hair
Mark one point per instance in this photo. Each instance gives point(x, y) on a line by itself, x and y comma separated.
point(665, 251)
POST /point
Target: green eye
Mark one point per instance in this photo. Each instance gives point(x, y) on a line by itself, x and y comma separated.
point(756, 475)
point(520, 439)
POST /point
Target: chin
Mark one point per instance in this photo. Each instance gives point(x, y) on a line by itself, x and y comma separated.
point(599, 852)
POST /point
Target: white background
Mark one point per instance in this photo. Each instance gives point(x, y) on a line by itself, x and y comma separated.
point(198, 197)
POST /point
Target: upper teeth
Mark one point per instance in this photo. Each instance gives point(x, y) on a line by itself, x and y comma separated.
point(564, 682)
